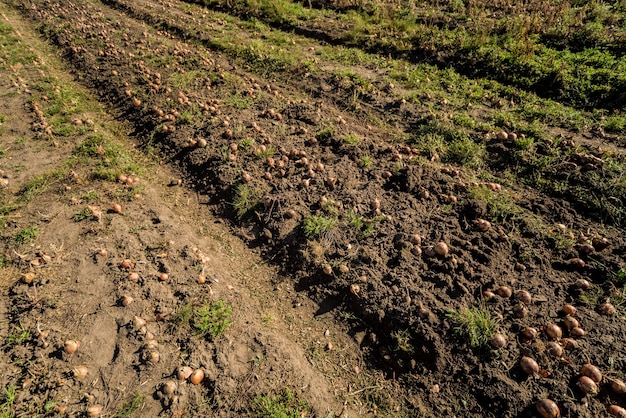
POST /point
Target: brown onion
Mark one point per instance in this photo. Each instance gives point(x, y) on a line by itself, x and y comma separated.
point(520, 310)
point(577, 332)
point(196, 377)
point(587, 385)
point(529, 365)
point(71, 346)
point(184, 372)
point(607, 309)
point(548, 409)
point(169, 387)
point(554, 331)
point(591, 372)
point(568, 309)
point(441, 248)
point(570, 322)
point(524, 296)
point(80, 372)
point(498, 341)
point(617, 411)
point(94, 411)
point(555, 349)
point(504, 291)
point(530, 333)
point(617, 386)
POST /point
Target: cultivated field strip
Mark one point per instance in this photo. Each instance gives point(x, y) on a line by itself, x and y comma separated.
point(399, 205)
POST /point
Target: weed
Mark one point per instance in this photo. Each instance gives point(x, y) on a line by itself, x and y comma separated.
point(325, 133)
point(246, 143)
point(366, 161)
point(19, 335)
point(26, 235)
point(211, 320)
point(475, 324)
point(81, 215)
point(352, 140)
point(8, 400)
point(247, 200)
point(314, 226)
point(284, 405)
point(402, 340)
point(130, 407)
point(266, 152)
point(239, 101)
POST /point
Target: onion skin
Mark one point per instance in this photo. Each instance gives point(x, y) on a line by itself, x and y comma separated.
point(548, 409)
point(184, 372)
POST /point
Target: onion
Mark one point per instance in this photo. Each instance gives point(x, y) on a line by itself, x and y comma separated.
point(154, 357)
point(169, 387)
point(587, 385)
point(184, 372)
point(570, 322)
point(555, 349)
point(482, 225)
point(520, 310)
point(70, 346)
point(530, 333)
point(582, 284)
point(617, 411)
point(548, 409)
point(569, 310)
point(488, 295)
point(327, 269)
point(94, 411)
point(504, 291)
point(591, 372)
point(569, 344)
point(117, 208)
point(441, 248)
point(529, 365)
point(355, 289)
point(577, 332)
point(196, 377)
point(133, 277)
point(127, 300)
point(524, 296)
point(498, 341)
point(80, 372)
point(554, 331)
point(164, 277)
point(607, 309)
point(617, 386)
point(139, 322)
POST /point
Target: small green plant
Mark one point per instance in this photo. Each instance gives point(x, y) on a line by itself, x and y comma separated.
point(402, 340)
point(247, 200)
point(325, 133)
point(314, 225)
point(130, 407)
point(246, 143)
point(8, 400)
point(284, 405)
point(18, 335)
point(81, 215)
point(211, 320)
point(266, 152)
point(352, 140)
point(475, 324)
point(366, 161)
point(26, 235)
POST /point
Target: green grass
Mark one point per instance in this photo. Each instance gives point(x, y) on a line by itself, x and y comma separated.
point(112, 157)
point(284, 405)
point(208, 321)
point(8, 401)
point(18, 335)
point(131, 407)
point(26, 235)
point(475, 325)
point(313, 225)
point(352, 140)
point(247, 200)
point(81, 215)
